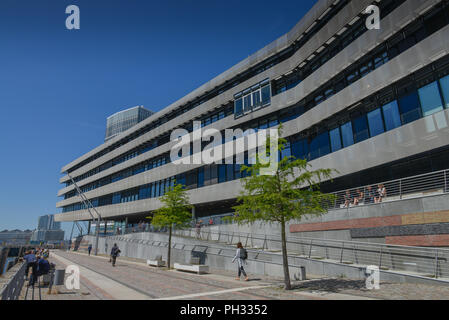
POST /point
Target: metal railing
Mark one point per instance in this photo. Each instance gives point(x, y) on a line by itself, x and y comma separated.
point(428, 262)
point(423, 185)
point(12, 289)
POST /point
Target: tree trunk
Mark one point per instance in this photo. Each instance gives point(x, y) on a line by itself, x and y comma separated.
point(169, 248)
point(285, 258)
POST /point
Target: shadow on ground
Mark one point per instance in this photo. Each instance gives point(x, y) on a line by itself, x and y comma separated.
point(331, 285)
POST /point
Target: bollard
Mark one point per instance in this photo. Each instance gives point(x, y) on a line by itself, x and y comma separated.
point(59, 277)
point(3, 258)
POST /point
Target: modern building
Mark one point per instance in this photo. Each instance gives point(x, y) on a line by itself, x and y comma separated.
point(121, 121)
point(48, 230)
point(16, 237)
point(372, 104)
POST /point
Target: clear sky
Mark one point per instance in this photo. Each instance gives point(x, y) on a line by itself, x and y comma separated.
point(58, 86)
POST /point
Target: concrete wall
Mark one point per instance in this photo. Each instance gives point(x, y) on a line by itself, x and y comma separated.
point(219, 257)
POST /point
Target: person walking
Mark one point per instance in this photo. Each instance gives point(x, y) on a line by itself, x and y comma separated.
point(241, 255)
point(89, 248)
point(115, 252)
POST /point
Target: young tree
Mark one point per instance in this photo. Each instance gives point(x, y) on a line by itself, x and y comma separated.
point(175, 212)
point(291, 193)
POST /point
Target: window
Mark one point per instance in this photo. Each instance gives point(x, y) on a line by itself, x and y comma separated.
point(391, 115)
point(409, 107)
point(430, 99)
point(238, 109)
point(347, 134)
point(375, 123)
point(266, 95)
point(237, 173)
point(256, 98)
point(444, 82)
point(247, 103)
point(229, 172)
point(221, 173)
point(200, 177)
point(286, 152)
point(360, 126)
point(319, 146)
point(335, 139)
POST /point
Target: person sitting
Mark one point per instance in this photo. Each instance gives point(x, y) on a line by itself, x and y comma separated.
point(348, 199)
point(382, 191)
point(359, 198)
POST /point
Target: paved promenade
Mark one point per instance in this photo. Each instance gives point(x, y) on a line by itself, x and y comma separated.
point(131, 279)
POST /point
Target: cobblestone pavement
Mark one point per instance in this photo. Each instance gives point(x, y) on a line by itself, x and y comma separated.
point(161, 283)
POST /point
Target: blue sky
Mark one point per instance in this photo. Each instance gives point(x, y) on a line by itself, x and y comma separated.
point(58, 86)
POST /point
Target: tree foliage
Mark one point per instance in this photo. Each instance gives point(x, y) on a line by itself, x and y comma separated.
point(292, 193)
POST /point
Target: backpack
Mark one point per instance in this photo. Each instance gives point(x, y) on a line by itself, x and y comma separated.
point(243, 254)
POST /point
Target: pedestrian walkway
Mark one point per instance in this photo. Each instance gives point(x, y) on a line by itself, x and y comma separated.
point(133, 279)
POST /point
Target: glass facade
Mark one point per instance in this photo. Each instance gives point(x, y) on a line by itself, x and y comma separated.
point(122, 121)
point(408, 104)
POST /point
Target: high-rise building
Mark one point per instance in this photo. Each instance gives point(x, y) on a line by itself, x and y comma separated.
point(123, 120)
point(372, 104)
point(48, 230)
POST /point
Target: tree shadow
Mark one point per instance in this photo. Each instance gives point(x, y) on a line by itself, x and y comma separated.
point(331, 285)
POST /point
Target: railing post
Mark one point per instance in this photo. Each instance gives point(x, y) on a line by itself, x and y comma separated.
point(341, 254)
point(380, 256)
point(310, 249)
point(400, 189)
point(436, 264)
point(445, 182)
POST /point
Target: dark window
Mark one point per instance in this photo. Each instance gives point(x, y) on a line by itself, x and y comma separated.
point(360, 127)
point(238, 111)
point(300, 149)
point(221, 173)
point(409, 108)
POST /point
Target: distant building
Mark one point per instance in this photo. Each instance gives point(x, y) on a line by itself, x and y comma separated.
point(15, 236)
point(48, 230)
point(123, 120)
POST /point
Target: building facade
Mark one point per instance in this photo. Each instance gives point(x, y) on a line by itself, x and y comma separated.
point(16, 237)
point(372, 104)
point(123, 120)
point(48, 230)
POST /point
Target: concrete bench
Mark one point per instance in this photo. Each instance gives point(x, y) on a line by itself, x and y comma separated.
point(157, 262)
point(200, 269)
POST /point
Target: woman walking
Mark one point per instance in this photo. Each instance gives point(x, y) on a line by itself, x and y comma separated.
point(241, 256)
